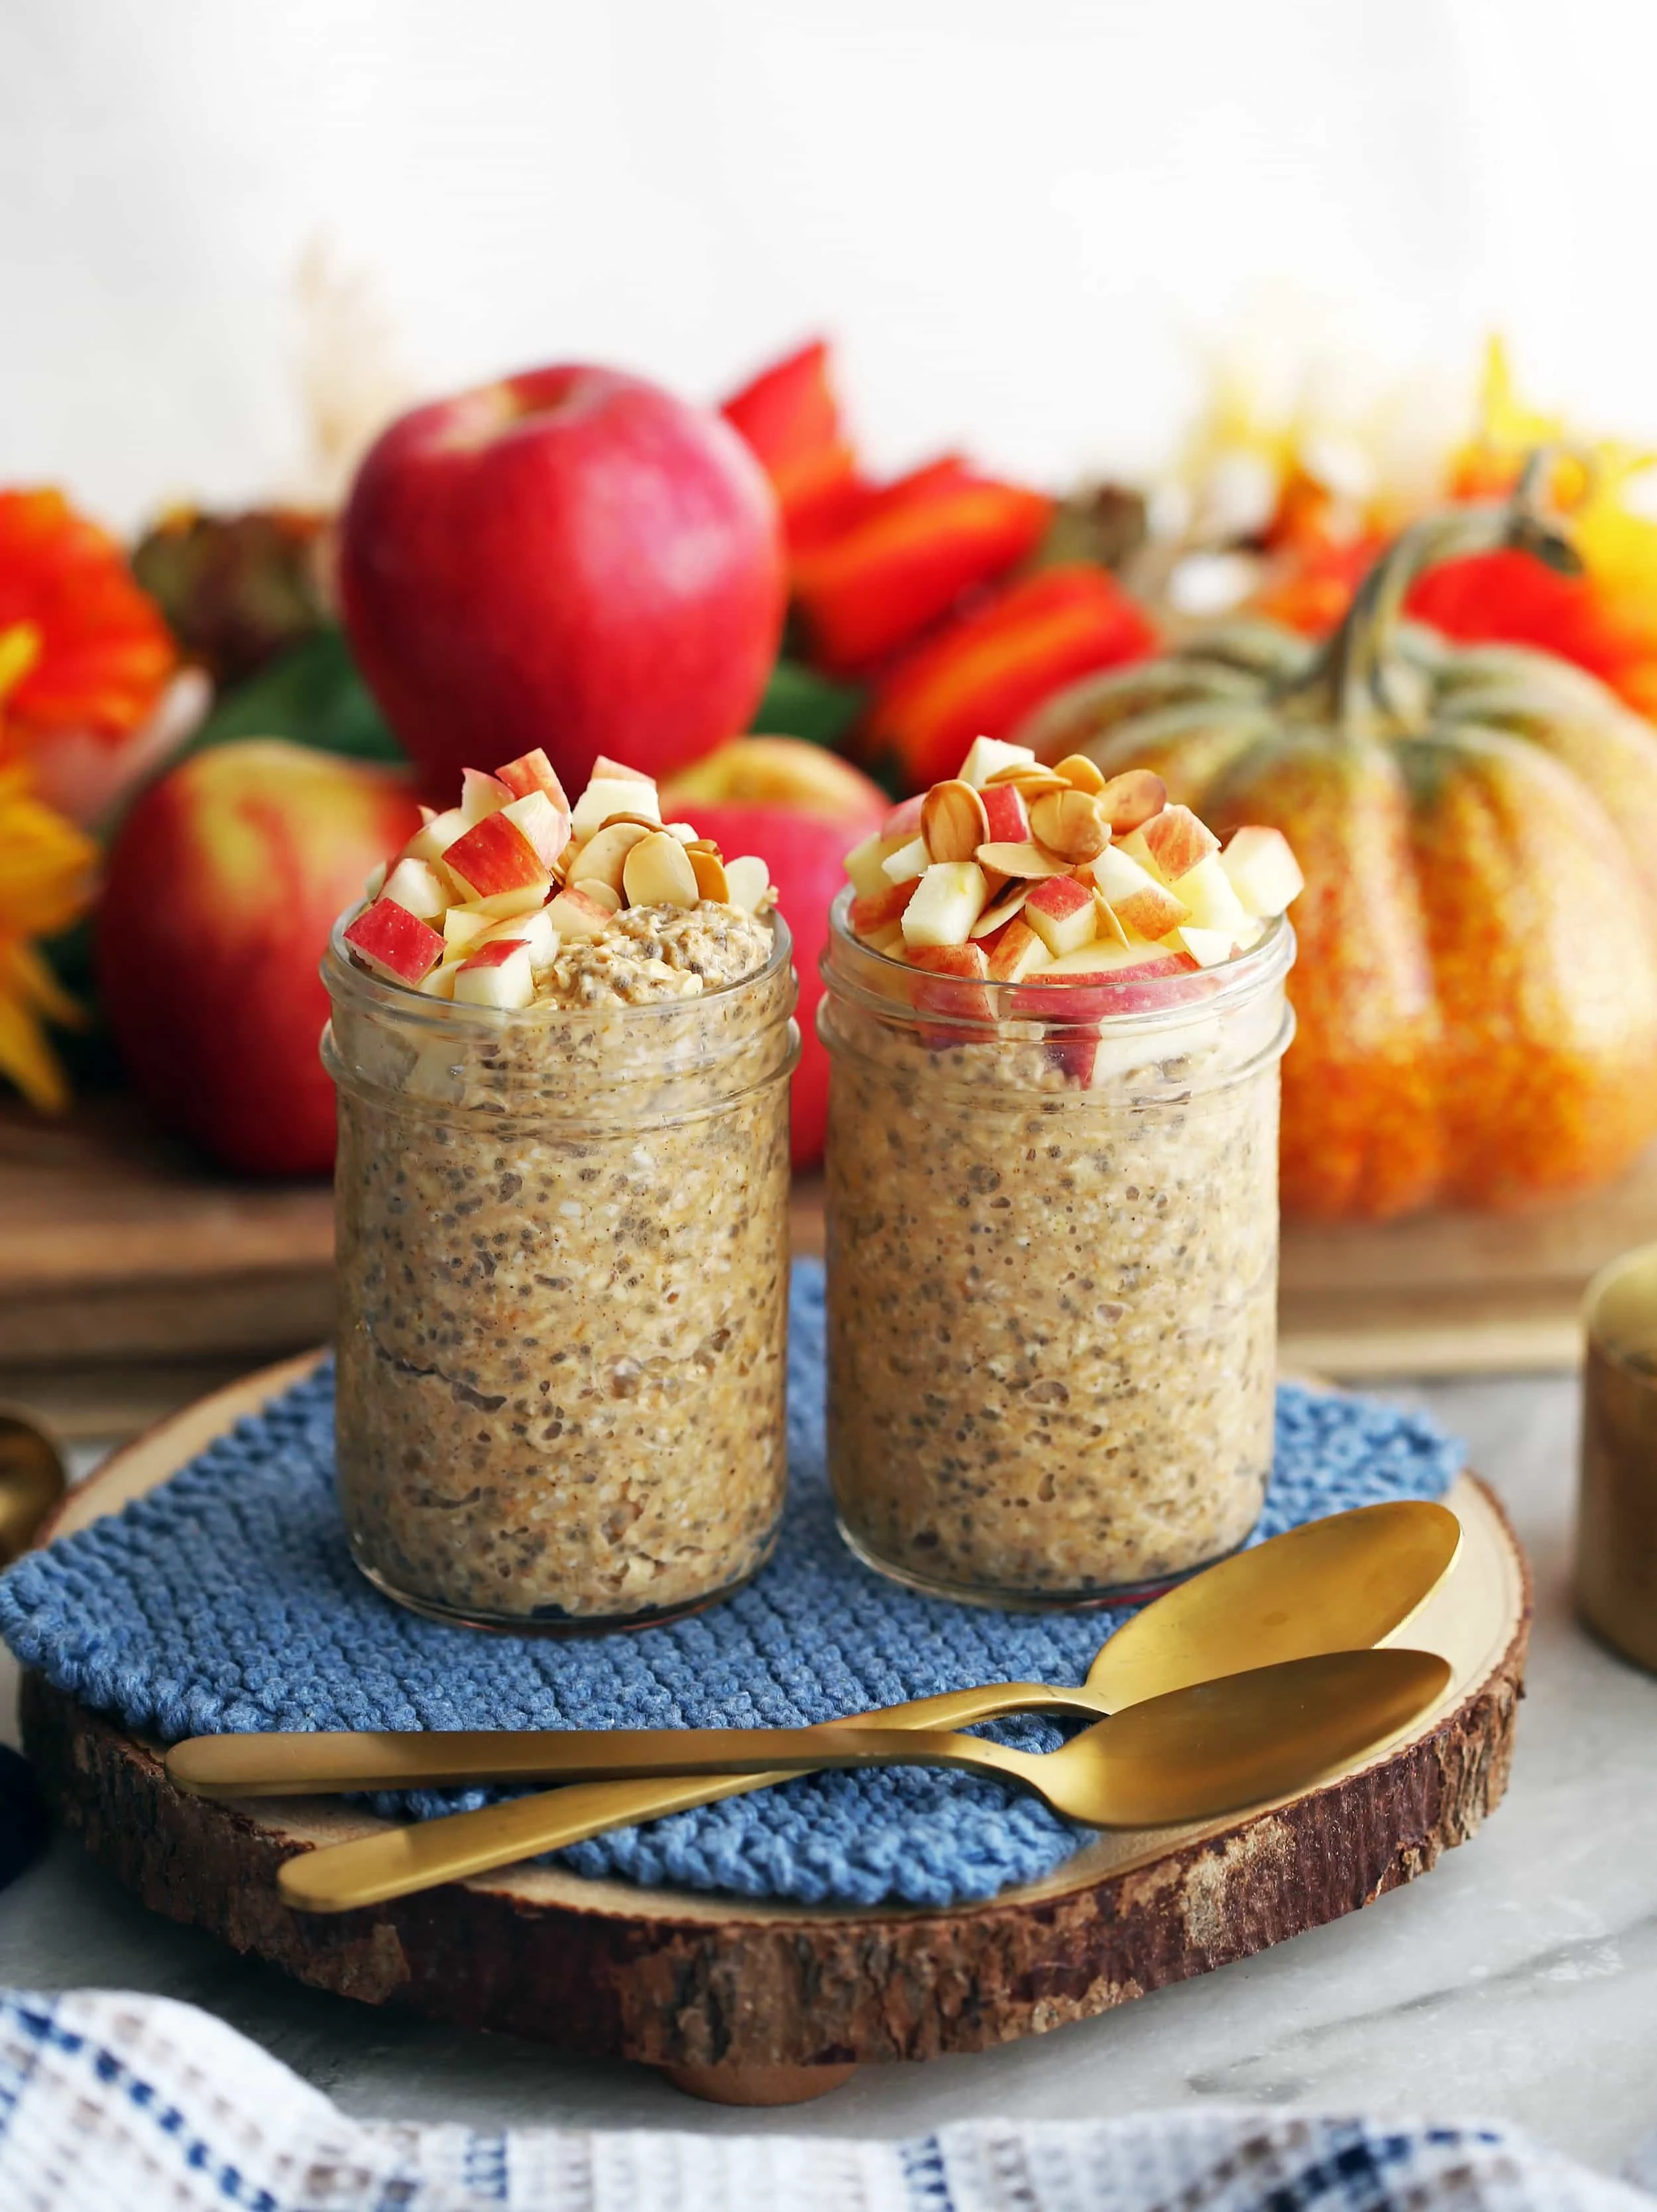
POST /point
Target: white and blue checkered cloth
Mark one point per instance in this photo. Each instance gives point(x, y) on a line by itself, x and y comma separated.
point(111, 2103)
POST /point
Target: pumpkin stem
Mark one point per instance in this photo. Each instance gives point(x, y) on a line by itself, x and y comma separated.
point(1349, 675)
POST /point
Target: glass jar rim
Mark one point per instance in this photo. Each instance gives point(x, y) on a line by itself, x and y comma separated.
point(872, 981)
point(345, 979)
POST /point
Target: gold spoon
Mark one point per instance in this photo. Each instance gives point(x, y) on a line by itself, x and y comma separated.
point(33, 1480)
point(1209, 1748)
point(1332, 1585)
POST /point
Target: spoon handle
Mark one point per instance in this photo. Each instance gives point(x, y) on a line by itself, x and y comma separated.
point(396, 1861)
point(302, 1764)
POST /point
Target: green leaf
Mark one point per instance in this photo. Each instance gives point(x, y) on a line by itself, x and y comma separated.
point(310, 694)
point(799, 703)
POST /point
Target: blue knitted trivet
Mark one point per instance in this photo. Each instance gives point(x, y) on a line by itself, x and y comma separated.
point(226, 1599)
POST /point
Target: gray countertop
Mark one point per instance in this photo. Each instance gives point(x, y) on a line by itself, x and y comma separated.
point(1517, 1981)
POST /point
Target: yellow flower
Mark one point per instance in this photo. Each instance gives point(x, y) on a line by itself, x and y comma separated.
point(46, 868)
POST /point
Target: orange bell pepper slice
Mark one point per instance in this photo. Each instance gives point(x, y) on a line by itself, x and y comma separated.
point(915, 549)
point(981, 676)
point(790, 418)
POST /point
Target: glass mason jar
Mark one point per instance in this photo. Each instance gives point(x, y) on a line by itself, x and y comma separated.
point(1052, 1271)
point(562, 1261)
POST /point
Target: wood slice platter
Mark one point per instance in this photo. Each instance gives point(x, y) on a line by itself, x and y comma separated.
point(133, 1278)
point(762, 2003)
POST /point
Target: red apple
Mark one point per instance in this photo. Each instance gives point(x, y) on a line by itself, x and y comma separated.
point(802, 809)
point(571, 560)
point(222, 884)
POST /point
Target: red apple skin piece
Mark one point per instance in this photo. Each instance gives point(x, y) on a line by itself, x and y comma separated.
point(1017, 949)
point(803, 811)
point(1009, 817)
point(396, 943)
point(1177, 839)
point(1054, 910)
point(1147, 976)
point(494, 856)
point(952, 992)
point(532, 771)
point(867, 916)
point(222, 884)
point(572, 560)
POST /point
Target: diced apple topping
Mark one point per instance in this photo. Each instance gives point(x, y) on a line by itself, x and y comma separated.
point(482, 795)
point(499, 974)
point(392, 942)
point(415, 884)
point(948, 899)
point(1007, 815)
point(1061, 912)
point(908, 862)
point(1263, 870)
point(1138, 901)
point(435, 835)
point(865, 864)
point(544, 825)
point(533, 771)
point(493, 890)
point(1206, 889)
point(1074, 875)
point(1178, 841)
point(608, 797)
point(986, 755)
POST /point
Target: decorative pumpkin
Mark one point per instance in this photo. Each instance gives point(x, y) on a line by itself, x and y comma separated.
point(1477, 987)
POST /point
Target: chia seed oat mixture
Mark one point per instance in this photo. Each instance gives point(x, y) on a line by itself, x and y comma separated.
point(562, 1261)
point(1051, 1309)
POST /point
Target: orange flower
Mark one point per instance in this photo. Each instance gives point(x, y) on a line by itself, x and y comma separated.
point(46, 883)
point(91, 693)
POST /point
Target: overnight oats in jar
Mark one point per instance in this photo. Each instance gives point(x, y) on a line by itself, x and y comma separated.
point(561, 1049)
point(1056, 1012)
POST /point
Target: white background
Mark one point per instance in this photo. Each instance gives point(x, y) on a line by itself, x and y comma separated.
point(1023, 218)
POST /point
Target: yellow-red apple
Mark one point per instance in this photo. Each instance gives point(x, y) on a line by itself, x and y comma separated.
point(571, 562)
point(223, 883)
point(800, 809)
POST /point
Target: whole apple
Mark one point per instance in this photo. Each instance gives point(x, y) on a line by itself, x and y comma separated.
point(803, 809)
point(222, 886)
point(571, 558)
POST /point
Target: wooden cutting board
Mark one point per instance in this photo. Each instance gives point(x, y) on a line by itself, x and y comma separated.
point(131, 1275)
point(750, 2003)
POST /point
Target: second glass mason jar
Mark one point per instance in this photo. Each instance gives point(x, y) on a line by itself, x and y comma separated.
point(562, 1260)
point(1052, 1270)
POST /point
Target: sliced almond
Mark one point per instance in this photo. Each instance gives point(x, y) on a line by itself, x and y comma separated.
point(953, 820)
point(749, 881)
point(704, 845)
point(602, 894)
point(1072, 824)
point(1132, 798)
point(658, 871)
point(1004, 910)
point(603, 856)
point(709, 872)
point(1022, 772)
point(1110, 930)
point(1027, 863)
point(642, 820)
point(1080, 773)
